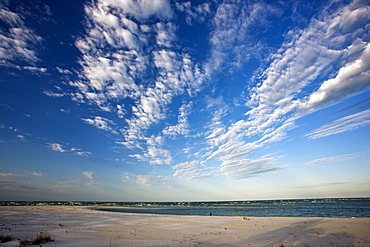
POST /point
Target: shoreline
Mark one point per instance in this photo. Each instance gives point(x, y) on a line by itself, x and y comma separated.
point(85, 226)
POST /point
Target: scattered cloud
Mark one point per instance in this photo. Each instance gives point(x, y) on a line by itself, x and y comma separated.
point(83, 153)
point(22, 137)
point(89, 175)
point(337, 159)
point(247, 168)
point(101, 123)
point(132, 67)
point(19, 43)
point(63, 71)
point(60, 148)
point(57, 147)
point(193, 170)
point(8, 175)
point(280, 95)
point(52, 94)
point(233, 24)
point(147, 180)
point(341, 125)
point(321, 185)
point(194, 14)
point(37, 174)
point(182, 127)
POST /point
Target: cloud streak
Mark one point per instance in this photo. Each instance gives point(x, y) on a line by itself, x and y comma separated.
point(348, 123)
point(336, 159)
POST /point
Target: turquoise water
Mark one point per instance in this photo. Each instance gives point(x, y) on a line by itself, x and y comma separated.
point(337, 207)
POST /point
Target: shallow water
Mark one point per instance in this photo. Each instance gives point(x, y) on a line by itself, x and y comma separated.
point(330, 207)
point(359, 208)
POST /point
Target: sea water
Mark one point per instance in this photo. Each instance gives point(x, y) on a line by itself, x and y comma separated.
point(329, 207)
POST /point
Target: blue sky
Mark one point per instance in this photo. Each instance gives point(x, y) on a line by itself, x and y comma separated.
point(157, 100)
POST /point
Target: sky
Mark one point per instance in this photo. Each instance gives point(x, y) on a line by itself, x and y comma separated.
point(159, 100)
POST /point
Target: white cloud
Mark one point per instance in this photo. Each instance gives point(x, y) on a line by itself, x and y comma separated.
point(83, 153)
point(117, 73)
point(22, 137)
point(348, 123)
point(352, 78)
point(143, 9)
point(246, 168)
point(279, 96)
point(336, 159)
point(147, 180)
point(33, 68)
point(89, 175)
point(57, 147)
point(17, 41)
point(155, 155)
point(38, 174)
point(8, 174)
point(139, 50)
point(101, 123)
point(63, 71)
point(194, 14)
point(232, 24)
point(193, 170)
point(77, 151)
point(52, 94)
point(182, 127)
point(311, 53)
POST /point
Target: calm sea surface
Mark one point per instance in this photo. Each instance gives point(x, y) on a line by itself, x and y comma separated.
point(339, 207)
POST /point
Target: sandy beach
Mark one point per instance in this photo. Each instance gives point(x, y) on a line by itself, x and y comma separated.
point(83, 226)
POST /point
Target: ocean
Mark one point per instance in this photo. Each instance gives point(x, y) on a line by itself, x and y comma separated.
point(326, 207)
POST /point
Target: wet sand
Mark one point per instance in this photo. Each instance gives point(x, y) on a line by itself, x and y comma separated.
point(83, 226)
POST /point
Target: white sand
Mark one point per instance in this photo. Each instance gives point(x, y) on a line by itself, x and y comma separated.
point(81, 226)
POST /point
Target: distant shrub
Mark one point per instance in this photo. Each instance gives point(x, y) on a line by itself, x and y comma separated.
point(41, 239)
point(24, 242)
point(5, 238)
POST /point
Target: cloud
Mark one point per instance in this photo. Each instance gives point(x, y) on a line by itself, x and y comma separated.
point(352, 79)
point(182, 127)
point(280, 94)
point(132, 67)
point(101, 123)
point(337, 159)
point(193, 170)
point(83, 153)
point(8, 175)
point(154, 155)
point(247, 168)
point(37, 174)
point(348, 123)
point(233, 23)
point(52, 94)
point(77, 151)
point(194, 14)
point(321, 185)
point(89, 175)
point(57, 147)
point(63, 71)
point(19, 43)
point(143, 9)
point(147, 180)
point(302, 61)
